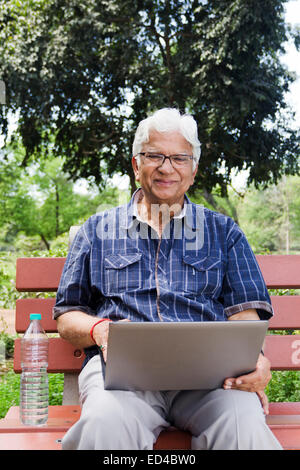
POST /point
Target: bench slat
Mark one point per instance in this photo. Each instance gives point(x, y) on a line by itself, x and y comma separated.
point(283, 352)
point(31, 440)
point(38, 274)
point(286, 312)
point(63, 357)
point(43, 274)
point(60, 418)
point(280, 271)
point(26, 306)
point(286, 309)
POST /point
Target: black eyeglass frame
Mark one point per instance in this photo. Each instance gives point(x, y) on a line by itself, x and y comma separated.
point(170, 157)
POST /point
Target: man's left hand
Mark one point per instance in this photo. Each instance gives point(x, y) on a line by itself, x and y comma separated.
point(256, 381)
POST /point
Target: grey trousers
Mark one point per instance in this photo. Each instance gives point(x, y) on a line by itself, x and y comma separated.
point(123, 420)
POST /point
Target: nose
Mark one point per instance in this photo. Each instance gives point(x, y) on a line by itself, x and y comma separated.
point(166, 167)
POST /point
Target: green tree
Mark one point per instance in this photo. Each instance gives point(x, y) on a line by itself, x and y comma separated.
point(41, 201)
point(14, 201)
point(271, 217)
point(88, 72)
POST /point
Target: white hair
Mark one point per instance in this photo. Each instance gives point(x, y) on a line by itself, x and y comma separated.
point(168, 120)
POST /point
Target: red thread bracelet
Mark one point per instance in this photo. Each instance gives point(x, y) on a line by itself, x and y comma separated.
point(92, 329)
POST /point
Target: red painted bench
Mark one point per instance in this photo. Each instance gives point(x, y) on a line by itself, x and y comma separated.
point(43, 274)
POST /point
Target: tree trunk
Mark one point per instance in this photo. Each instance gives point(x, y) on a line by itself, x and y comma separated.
point(287, 233)
point(209, 197)
point(45, 241)
point(56, 211)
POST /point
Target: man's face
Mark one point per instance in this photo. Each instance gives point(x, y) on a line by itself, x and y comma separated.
point(165, 184)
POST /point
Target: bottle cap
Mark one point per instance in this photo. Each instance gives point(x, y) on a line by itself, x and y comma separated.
point(35, 316)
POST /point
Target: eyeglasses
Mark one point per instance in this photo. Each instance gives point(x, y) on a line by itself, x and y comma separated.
point(158, 159)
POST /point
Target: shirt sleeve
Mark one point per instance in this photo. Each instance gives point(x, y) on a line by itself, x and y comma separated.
point(74, 291)
point(244, 286)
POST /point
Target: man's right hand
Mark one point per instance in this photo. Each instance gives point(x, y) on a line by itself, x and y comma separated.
point(75, 327)
point(100, 335)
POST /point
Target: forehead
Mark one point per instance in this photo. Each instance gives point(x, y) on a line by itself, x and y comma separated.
point(170, 142)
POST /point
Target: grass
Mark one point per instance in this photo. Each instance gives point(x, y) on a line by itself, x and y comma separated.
point(10, 381)
point(10, 388)
point(284, 386)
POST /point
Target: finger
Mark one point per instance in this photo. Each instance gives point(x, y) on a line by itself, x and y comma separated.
point(247, 378)
point(228, 383)
point(251, 378)
point(264, 401)
point(253, 382)
point(255, 378)
point(236, 382)
point(231, 382)
point(103, 349)
point(105, 354)
point(240, 384)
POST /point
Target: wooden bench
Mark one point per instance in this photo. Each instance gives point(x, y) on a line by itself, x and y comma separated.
point(43, 275)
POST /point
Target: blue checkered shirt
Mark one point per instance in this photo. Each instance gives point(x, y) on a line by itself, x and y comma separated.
point(201, 269)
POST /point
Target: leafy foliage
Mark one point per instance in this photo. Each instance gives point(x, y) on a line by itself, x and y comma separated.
point(284, 386)
point(271, 218)
point(40, 201)
point(10, 390)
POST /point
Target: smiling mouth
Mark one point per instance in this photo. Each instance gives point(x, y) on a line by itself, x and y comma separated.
point(165, 183)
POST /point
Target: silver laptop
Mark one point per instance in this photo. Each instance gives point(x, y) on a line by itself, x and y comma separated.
point(181, 355)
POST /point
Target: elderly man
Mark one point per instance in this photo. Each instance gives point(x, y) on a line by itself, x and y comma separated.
point(116, 272)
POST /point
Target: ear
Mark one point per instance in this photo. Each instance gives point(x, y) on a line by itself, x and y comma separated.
point(135, 168)
point(194, 174)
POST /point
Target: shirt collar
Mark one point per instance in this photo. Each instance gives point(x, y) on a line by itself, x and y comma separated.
point(130, 214)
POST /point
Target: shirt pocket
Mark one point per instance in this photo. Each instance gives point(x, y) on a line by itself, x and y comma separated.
point(122, 272)
point(204, 276)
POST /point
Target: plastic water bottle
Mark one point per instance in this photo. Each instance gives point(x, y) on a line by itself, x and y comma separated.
point(34, 388)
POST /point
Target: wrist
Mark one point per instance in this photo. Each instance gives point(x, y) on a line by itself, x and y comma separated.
point(93, 327)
